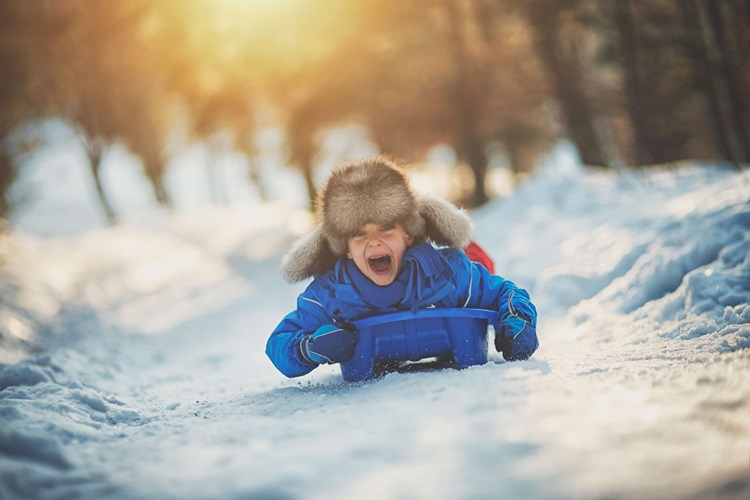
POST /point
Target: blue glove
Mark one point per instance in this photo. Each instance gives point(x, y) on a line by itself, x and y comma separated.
point(329, 344)
point(516, 339)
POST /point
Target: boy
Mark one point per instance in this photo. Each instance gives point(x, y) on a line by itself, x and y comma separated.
point(369, 255)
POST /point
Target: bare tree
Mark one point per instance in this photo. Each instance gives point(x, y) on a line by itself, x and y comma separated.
point(18, 30)
point(728, 70)
point(701, 44)
point(468, 97)
point(96, 71)
point(555, 28)
point(646, 150)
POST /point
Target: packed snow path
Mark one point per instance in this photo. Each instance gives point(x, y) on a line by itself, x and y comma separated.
point(134, 363)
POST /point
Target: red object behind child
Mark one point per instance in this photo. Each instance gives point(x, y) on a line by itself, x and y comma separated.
point(477, 254)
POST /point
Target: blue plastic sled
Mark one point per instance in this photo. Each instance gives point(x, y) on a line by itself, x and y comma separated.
point(413, 336)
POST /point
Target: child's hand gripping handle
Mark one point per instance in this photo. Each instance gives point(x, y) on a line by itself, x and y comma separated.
point(516, 339)
point(329, 344)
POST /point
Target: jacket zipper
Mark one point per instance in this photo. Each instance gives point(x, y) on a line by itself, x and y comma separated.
point(511, 308)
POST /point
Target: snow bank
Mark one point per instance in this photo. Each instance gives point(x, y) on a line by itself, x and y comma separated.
point(635, 256)
point(691, 280)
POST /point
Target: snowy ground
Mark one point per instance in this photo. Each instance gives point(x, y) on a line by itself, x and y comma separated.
point(134, 365)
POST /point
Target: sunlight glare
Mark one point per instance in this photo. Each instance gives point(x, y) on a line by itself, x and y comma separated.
point(268, 36)
point(253, 7)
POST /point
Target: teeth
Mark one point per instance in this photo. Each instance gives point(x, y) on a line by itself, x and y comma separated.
point(380, 263)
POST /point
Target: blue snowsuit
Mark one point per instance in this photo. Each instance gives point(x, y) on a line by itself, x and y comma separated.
point(431, 277)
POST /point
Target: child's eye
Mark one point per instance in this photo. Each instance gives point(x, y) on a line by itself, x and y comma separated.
point(387, 227)
point(358, 234)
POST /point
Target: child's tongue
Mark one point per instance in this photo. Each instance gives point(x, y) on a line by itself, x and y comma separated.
point(380, 264)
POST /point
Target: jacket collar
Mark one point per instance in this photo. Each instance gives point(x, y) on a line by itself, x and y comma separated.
point(427, 278)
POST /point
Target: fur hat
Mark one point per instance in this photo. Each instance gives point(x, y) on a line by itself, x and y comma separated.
point(372, 190)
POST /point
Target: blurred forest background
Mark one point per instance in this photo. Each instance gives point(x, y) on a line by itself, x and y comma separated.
point(628, 82)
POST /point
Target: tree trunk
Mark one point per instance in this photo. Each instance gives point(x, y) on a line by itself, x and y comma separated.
point(216, 190)
point(692, 12)
point(7, 176)
point(646, 150)
point(95, 153)
point(253, 174)
point(157, 183)
point(737, 108)
point(563, 70)
point(302, 154)
point(307, 173)
point(301, 136)
point(471, 145)
point(477, 160)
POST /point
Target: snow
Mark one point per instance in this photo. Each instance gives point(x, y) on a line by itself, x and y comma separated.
point(134, 362)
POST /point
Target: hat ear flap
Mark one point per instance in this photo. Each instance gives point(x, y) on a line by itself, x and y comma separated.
point(445, 223)
point(310, 255)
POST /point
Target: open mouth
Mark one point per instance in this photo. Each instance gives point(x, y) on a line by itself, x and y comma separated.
point(380, 264)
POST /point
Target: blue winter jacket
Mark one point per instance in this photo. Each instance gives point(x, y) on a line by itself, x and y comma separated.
point(332, 298)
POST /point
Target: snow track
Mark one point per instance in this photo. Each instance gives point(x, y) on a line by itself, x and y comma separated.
point(134, 364)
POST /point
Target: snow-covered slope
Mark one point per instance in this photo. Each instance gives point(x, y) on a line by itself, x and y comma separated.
point(134, 364)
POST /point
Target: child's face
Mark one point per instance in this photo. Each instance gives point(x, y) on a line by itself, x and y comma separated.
point(378, 251)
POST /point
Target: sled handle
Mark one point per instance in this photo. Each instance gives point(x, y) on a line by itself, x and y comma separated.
point(434, 312)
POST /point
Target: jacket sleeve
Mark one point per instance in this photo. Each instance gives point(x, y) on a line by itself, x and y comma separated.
point(489, 291)
point(283, 345)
